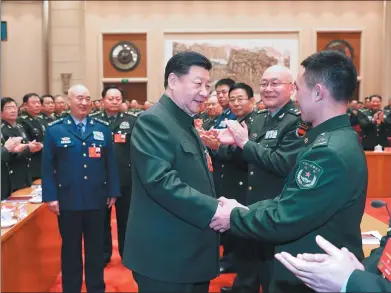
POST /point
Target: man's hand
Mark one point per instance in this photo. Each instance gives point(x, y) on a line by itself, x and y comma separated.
point(221, 219)
point(239, 132)
point(210, 141)
point(54, 207)
point(322, 272)
point(111, 201)
point(20, 147)
point(11, 143)
point(225, 137)
point(35, 146)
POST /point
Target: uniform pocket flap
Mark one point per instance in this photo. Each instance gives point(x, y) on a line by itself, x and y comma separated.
point(188, 147)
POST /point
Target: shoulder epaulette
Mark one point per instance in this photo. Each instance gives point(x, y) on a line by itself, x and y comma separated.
point(94, 114)
point(322, 140)
point(56, 121)
point(129, 114)
point(295, 111)
point(19, 125)
point(101, 121)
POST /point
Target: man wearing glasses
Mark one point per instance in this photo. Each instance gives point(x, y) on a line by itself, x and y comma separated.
point(274, 141)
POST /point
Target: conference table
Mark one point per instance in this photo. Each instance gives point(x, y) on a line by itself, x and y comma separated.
point(379, 174)
point(30, 250)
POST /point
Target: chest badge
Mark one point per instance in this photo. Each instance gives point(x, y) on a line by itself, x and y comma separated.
point(98, 135)
point(124, 125)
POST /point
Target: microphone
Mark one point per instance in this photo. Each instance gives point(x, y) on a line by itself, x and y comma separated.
point(379, 204)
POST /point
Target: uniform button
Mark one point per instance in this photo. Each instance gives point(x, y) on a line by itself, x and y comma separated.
point(85, 177)
point(85, 166)
point(240, 183)
point(59, 185)
point(65, 146)
point(28, 165)
point(11, 171)
point(84, 143)
point(29, 159)
point(222, 166)
point(250, 188)
point(251, 173)
point(222, 175)
point(84, 155)
point(105, 183)
point(129, 165)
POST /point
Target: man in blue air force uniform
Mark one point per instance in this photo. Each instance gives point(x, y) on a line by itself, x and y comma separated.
point(80, 179)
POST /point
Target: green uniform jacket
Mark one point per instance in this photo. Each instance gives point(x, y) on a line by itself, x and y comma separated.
point(121, 126)
point(324, 195)
point(173, 200)
point(271, 151)
point(362, 281)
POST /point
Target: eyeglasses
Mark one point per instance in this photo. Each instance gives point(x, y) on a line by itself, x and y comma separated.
point(240, 100)
point(273, 84)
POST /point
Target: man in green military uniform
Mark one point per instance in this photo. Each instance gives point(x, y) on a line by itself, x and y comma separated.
point(374, 124)
point(121, 125)
point(168, 245)
point(34, 129)
point(316, 199)
point(47, 110)
point(275, 140)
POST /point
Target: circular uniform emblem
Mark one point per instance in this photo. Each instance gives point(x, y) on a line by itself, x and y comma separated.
point(308, 174)
point(124, 56)
point(341, 46)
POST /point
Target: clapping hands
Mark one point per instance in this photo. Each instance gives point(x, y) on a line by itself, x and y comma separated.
point(221, 219)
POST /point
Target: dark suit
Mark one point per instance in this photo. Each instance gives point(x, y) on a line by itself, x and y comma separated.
point(81, 180)
point(121, 128)
point(314, 201)
point(35, 130)
point(20, 163)
point(168, 240)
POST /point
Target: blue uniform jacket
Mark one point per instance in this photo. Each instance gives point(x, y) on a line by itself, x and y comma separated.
point(78, 181)
point(227, 114)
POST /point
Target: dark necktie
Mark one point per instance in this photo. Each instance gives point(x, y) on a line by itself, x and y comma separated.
point(80, 128)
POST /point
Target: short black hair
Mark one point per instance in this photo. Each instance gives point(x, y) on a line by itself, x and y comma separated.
point(334, 70)
point(110, 87)
point(374, 96)
point(26, 97)
point(225, 81)
point(244, 86)
point(180, 64)
point(46, 96)
point(6, 100)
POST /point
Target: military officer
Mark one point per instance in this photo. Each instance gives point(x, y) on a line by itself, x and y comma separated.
point(59, 107)
point(47, 110)
point(214, 110)
point(80, 179)
point(121, 125)
point(275, 140)
point(19, 163)
point(34, 129)
point(315, 199)
point(374, 124)
point(222, 93)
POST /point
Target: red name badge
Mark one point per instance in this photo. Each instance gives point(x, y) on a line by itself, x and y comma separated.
point(119, 138)
point(384, 264)
point(94, 152)
point(209, 161)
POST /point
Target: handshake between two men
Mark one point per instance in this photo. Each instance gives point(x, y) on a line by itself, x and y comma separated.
point(235, 135)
